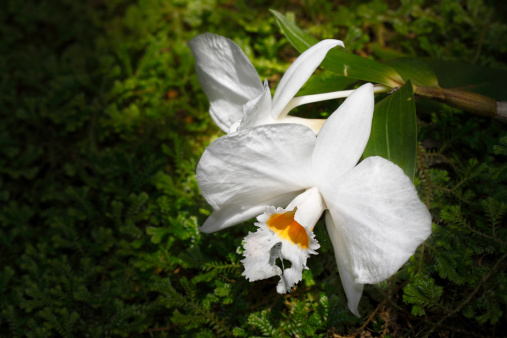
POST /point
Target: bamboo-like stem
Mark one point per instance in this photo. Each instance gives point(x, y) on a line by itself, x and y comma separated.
point(472, 102)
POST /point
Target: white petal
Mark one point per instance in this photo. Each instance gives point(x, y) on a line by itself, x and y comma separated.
point(297, 257)
point(313, 124)
point(226, 75)
point(256, 166)
point(257, 111)
point(240, 209)
point(258, 246)
point(352, 289)
point(298, 73)
point(310, 207)
point(379, 216)
point(344, 135)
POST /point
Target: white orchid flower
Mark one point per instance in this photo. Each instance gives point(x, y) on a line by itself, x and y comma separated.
point(374, 217)
point(238, 99)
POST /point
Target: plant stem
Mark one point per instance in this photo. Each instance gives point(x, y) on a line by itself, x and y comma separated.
point(472, 102)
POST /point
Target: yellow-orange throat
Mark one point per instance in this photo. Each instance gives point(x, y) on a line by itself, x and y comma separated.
point(288, 229)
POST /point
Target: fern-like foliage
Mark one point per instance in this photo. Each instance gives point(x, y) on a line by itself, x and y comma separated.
point(465, 253)
point(197, 311)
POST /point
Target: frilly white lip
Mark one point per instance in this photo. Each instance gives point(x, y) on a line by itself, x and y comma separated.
point(278, 240)
point(238, 98)
point(374, 217)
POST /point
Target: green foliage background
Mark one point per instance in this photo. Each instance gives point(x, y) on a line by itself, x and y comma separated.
point(103, 122)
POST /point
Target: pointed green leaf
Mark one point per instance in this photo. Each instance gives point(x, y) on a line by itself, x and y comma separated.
point(415, 70)
point(394, 130)
point(339, 61)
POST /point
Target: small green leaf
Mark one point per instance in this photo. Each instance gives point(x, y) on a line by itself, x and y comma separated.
point(418, 310)
point(339, 61)
point(416, 71)
point(394, 130)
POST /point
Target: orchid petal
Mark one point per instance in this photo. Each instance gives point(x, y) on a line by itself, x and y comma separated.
point(240, 209)
point(294, 274)
point(345, 134)
point(226, 75)
point(310, 207)
point(274, 162)
point(258, 261)
point(257, 111)
point(298, 73)
point(352, 289)
point(379, 215)
point(313, 124)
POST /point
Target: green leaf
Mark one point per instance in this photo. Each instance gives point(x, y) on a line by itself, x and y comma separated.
point(394, 130)
point(469, 77)
point(416, 71)
point(325, 82)
point(339, 61)
point(385, 53)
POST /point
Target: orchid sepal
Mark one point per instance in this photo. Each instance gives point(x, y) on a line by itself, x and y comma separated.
point(238, 99)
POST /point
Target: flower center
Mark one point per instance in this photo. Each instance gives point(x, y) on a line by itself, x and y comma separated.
point(285, 227)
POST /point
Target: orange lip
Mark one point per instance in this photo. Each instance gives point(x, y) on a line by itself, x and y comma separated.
point(285, 227)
